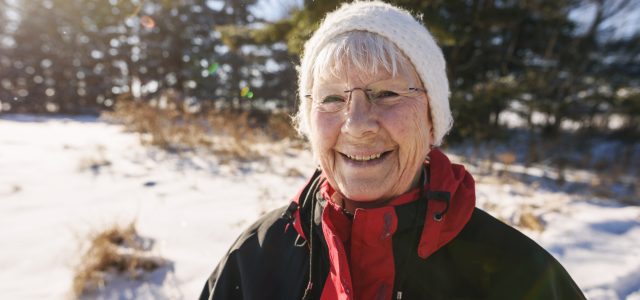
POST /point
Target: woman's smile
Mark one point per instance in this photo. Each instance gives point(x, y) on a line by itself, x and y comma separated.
point(364, 160)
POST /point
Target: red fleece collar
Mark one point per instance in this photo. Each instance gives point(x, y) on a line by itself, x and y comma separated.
point(443, 177)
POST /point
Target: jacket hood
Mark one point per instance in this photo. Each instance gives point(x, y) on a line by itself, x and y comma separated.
point(453, 190)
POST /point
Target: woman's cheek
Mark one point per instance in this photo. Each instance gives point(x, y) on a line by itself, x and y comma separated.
point(323, 140)
point(412, 134)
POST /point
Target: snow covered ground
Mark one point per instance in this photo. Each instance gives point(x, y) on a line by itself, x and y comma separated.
point(61, 178)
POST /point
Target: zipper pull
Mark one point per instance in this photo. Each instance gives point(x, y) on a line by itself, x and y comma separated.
point(399, 295)
point(288, 213)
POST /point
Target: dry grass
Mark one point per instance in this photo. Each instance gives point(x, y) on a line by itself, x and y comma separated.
point(117, 249)
point(95, 162)
point(231, 134)
point(293, 172)
point(530, 221)
point(507, 158)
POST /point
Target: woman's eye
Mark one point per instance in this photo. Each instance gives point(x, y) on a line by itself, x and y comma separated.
point(331, 99)
point(385, 94)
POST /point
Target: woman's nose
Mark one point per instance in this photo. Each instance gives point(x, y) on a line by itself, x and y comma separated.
point(360, 119)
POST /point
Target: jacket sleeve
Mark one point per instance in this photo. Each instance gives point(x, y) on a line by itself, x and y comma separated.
point(548, 280)
point(509, 265)
point(528, 271)
point(241, 269)
point(261, 264)
point(223, 283)
point(552, 282)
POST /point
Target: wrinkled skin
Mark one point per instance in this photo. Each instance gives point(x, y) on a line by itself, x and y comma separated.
point(365, 129)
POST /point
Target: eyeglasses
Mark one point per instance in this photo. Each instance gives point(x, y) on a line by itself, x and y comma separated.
point(382, 96)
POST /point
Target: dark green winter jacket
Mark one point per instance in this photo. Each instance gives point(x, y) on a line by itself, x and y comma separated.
point(431, 243)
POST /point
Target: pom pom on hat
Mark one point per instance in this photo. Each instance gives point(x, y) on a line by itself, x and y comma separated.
point(399, 27)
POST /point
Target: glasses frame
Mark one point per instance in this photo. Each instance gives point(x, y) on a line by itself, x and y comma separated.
point(366, 92)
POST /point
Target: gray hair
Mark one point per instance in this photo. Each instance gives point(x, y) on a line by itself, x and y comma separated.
point(367, 52)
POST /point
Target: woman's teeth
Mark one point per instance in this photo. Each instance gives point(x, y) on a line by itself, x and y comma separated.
point(364, 158)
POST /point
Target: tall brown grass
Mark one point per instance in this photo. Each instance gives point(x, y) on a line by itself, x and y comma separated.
point(229, 133)
point(114, 250)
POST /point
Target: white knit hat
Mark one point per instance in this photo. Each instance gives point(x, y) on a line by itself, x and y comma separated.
point(408, 35)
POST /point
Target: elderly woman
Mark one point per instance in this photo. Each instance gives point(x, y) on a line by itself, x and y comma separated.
point(387, 215)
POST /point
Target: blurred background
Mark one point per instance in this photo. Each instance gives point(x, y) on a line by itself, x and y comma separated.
point(544, 68)
point(556, 64)
point(545, 97)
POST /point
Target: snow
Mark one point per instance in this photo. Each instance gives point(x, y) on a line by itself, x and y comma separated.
point(62, 178)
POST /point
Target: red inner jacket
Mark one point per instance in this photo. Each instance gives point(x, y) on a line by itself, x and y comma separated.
point(361, 250)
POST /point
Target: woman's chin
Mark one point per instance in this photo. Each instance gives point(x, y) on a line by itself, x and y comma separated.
point(364, 195)
point(363, 198)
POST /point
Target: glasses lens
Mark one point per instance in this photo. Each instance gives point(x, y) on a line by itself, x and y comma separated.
point(382, 94)
point(331, 103)
point(385, 94)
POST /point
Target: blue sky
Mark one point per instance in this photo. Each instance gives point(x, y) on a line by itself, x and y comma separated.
point(625, 23)
point(273, 10)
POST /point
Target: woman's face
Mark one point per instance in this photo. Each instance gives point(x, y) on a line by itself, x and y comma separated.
point(370, 152)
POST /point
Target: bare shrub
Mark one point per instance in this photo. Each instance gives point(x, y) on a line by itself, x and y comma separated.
point(117, 249)
point(232, 134)
point(229, 133)
point(160, 125)
point(280, 127)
